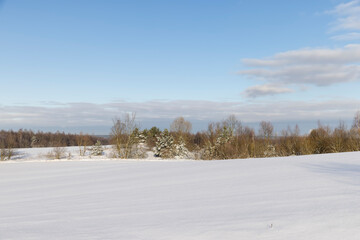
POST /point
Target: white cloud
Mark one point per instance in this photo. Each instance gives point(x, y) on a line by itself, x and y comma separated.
point(266, 89)
point(311, 66)
point(320, 67)
point(76, 115)
point(319, 56)
point(347, 37)
point(348, 16)
point(347, 19)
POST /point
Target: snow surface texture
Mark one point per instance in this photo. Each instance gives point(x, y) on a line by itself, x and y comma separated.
point(305, 197)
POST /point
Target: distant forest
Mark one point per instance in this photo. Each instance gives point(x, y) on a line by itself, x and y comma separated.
point(28, 139)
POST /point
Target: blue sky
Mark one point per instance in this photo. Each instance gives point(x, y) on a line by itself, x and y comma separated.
point(75, 65)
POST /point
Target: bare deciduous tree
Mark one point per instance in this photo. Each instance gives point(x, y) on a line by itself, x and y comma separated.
point(83, 141)
point(266, 129)
point(233, 124)
point(356, 121)
point(181, 126)
point(122, 134)
point(340, 138)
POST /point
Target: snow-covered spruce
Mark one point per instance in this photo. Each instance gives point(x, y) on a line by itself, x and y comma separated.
point(165, 147)
point(97, 149)
point(181, 151)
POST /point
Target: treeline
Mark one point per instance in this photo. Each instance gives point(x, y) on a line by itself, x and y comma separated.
point(29, 139)
point(230, 139)
point(222, 141)
point(227, 139)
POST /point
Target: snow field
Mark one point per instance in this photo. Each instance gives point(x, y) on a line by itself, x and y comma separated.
point(305, 197)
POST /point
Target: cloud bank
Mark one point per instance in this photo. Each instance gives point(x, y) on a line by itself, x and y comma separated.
point(75, 115)
point(320, 67)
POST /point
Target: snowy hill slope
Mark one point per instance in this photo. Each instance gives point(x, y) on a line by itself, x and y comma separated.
point(306, 197)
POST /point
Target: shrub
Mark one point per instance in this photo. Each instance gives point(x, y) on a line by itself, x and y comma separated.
point(123, 135)
point(57, 153)
point(6, 154)
point(6, 147)
point(83, 141)
point(320, 140)
point(97, 149)
point(181, 151)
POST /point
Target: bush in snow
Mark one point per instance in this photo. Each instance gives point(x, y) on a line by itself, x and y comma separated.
point(138, 151)
point(57, 153)
point(97, 149)
point(270, 151)
point(5, 154)
point(180, 149)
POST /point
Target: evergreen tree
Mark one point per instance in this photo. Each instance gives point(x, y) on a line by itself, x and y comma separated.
point(97, 149)
point(180, 149)
point(165, 147)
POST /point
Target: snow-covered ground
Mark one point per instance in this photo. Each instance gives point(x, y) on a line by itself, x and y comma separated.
point(69, 154)
point(305, 197)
